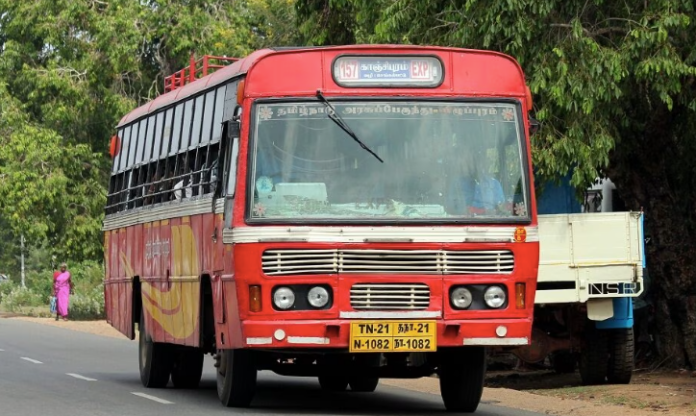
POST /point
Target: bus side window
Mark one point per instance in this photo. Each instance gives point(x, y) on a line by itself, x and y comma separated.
point(182, 180)
point(133, 188)
point(125, 190)
point(211, 172)
point(198, 166)
point(154, 176)
point(118, 188)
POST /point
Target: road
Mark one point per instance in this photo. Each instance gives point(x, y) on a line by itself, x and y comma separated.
point(46, 370)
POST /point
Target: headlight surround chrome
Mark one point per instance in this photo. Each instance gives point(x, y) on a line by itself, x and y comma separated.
point(318, 297)
point(283, 298)
point(495, 297)
point(461, 298)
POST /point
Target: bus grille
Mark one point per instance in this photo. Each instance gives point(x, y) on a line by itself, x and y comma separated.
point(401, 296)
point(293, 262)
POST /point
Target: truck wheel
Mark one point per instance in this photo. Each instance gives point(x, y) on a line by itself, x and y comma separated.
point(563, 362)
point(363, 384)
point(594, 358)
point(333, 382)
point(621, 356)
point(461, 372)
point(236, 377)
point(187, 369)
point(155, 359)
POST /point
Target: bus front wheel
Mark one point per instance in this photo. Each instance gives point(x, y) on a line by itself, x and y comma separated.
point(363, 384)
point(236, 377)
point(155, 359)
point(461, 371)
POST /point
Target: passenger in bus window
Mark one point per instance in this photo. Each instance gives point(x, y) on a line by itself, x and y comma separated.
point(151, 189)
point(184, 182)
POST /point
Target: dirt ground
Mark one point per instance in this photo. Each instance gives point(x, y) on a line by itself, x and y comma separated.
point(649, 393)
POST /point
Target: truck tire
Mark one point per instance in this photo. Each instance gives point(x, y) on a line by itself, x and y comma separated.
point(563, 362)
point(154, 358)
point(621, 356)
point(236, 377)
point(335, 383)
point(594, 358)
point(461, 372)
point(187, 369)
point(363, 384)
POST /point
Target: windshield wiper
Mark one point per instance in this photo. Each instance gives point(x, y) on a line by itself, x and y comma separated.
point(333, 115)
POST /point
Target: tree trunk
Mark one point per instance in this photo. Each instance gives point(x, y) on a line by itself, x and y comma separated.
point(646, 170)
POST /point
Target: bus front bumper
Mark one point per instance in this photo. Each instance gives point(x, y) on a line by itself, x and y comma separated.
point(337, 333)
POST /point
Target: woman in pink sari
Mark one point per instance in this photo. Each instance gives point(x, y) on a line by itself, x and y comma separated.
point(62, 286)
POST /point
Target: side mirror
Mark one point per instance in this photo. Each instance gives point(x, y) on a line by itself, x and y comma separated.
point(233, 129)
point(534, 126)
point(234, 124)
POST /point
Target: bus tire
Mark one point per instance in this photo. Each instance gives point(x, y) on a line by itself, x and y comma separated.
point(594, 358)
point(236, 377)
point(621, 356)
point(188, 368)
point(335, 383)
point(154, 359)
point(461, 372)
point(563, 362)
point(363, 384)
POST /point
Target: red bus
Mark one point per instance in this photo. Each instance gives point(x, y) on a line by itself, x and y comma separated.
point(348, 213)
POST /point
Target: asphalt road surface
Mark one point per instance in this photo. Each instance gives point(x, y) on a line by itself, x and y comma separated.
point(46, 370)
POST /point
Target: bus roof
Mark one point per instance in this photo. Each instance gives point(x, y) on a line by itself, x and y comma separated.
point(242, 66)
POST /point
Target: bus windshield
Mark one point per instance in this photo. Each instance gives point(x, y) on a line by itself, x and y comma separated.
point(442, 161)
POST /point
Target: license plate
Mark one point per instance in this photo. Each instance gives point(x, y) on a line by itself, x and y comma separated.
point(393, 336)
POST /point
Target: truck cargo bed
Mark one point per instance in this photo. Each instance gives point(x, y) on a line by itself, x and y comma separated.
point(592, 255)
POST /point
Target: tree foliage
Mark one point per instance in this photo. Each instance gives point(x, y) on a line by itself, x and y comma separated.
point(69, 70)
point(613, 84)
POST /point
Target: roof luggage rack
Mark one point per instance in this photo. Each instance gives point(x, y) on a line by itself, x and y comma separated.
point(196, 69)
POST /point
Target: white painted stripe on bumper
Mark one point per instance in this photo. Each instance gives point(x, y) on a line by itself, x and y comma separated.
point(390, 315)
point(496, 341)
point(359, 234)
point(308, 340)
point(259, 341)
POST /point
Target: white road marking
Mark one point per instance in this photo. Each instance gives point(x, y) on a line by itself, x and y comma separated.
point(153, 398)
point(31, 360)
point(80, 377)
point(1, 350)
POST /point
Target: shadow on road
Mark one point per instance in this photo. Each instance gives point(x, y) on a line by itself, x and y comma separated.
point(532, 380)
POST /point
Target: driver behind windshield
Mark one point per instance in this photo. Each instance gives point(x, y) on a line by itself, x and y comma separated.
point(473, 190)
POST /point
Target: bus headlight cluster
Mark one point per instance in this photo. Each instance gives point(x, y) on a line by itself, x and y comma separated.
point(301, 297)
point(478, 297)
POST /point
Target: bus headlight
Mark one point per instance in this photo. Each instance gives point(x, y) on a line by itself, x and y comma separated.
point(461, 298)
point(284, 298)
point(495, 297)
point(318, 297)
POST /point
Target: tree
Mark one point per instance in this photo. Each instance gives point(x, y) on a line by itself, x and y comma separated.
point(614, 89)
point(69, 70)
point(327, 22)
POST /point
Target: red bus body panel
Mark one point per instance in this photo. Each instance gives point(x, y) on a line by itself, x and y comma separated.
point(170, 257)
